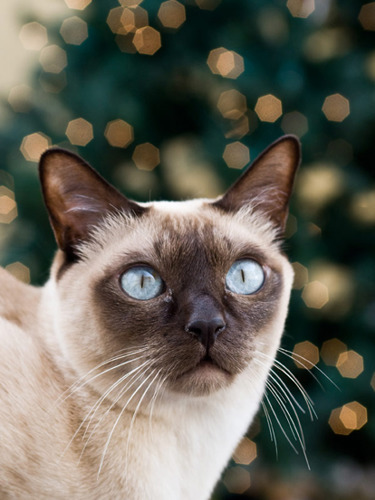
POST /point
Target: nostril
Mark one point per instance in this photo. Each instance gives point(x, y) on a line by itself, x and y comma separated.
point(206, 330)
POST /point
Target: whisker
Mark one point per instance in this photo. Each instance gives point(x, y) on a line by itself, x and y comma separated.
point(270, 428)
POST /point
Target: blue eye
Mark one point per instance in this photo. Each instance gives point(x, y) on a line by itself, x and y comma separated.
point(142, 283)
point(245, 277)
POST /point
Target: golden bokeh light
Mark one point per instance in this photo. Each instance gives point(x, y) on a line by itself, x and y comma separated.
point(305, 355)
point(315, 295)
point(53, 59)
point(33, 145)
point(130, 3)
point(318, 185)
point(78, 4)
point(119, 133)
point(8, 206)
point(232, 104)
point(114, 21)
point(79, 132)
point(239, 129)
point(301, 8)
point(133, 19)
point(236, 480)
point(146, 156)
point(336, 108)
point(33, 36)
point(350, 364)
point(246, 452)
point(331, 350)
point(372, 383)
point(268, 108)
point(362, 207)
point(295, 123)
point(207, 4)
point(301, 275)
point(172, 14)
point(147, 40)
point(226, 63)
point(367, 16)
point(20, 98)
point(370, 66)
point(326, 44)
point(348, 418)
point(236, 155)
point(74, 30)
point(19, 271)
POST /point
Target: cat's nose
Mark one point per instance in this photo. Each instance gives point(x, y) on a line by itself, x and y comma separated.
point(206, 330)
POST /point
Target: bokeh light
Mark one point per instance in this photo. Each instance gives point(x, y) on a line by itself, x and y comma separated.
point(350, 364)
point(207, 4)
point(348, 418)
point(246, 452)
point(232, 104)
point(146, 156)
point(20, 98)
point(53, 59)
point(295, 123)
point(172, 14)
point(19, 271)
point(119, 133)
point(74, 30)
point(268, 108)
point(367, 16)
point(336, 107)
point(226, 63)
point(147, 40)
point(236, 155)
point(79, 132)
point(77, 4)
point(315, 295)
point(301, 8)
point(362, 207)
point(301, 275)
point(33, 145)
point(8, 206)
point(331, 350)
point(237, 480)
point(305, 355)
point(33, 36)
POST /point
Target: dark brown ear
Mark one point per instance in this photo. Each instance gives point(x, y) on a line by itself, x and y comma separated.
point(77, 198)
point(267, 183)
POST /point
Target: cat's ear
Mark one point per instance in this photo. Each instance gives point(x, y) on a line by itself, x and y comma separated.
point(267, 183)
point(77, 198)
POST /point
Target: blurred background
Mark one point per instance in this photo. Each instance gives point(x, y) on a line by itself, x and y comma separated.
point(170, 100)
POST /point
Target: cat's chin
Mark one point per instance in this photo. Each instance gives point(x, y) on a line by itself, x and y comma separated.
point(203, 379)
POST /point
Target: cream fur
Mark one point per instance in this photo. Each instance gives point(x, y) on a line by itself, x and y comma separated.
point(49, 338)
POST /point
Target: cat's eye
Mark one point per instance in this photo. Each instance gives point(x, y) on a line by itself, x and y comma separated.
point(142, 283)
point(245, 277)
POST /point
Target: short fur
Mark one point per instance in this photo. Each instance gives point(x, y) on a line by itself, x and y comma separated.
point(70, 426)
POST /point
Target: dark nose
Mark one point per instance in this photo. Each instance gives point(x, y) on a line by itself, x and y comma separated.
point(206, 330)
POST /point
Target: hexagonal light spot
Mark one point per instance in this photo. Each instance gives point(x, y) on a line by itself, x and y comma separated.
point(237, 480)
point(33, 145)
point(74, 30)
point(226, 63)
point(232, 104)
point(350, 364)
point(20, 98)
point(114, 21)
point(133, 19)
point(78, 4)
point(336, 108)
point(53, 59)
point(367, 16)
point(79, 132)
point(146, 156)
point(172, 14)
point(147, 40)
point(295, 123)
point(268, 108)
point(305, 355)
point(301, 8)
point(119, 133)
point(331, 350)
point(8, 206)
point(348, 418)
point(236, 155)
point(246, 452)
point(19, 271)
point(315, 295)
point(33, 36)
point(301, 275)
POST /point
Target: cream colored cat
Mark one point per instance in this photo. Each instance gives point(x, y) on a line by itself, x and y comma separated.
point(132, 373)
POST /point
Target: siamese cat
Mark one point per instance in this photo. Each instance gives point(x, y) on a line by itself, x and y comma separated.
point(132, 373)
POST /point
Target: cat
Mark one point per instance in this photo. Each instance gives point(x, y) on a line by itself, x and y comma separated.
point(132, 373)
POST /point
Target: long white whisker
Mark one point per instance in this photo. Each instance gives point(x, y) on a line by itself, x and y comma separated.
point(270, 428)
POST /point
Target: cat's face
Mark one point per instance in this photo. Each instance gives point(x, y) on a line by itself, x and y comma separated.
point(183, 293)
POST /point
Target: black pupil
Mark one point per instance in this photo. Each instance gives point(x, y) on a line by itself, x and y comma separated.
point(243, 275)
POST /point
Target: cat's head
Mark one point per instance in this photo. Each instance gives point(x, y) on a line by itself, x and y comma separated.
point(184, 293)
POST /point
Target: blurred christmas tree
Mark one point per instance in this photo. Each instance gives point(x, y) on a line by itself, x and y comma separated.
point(167, 99)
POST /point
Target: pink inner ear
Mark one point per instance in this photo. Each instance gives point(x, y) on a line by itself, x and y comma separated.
point(77, 197)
